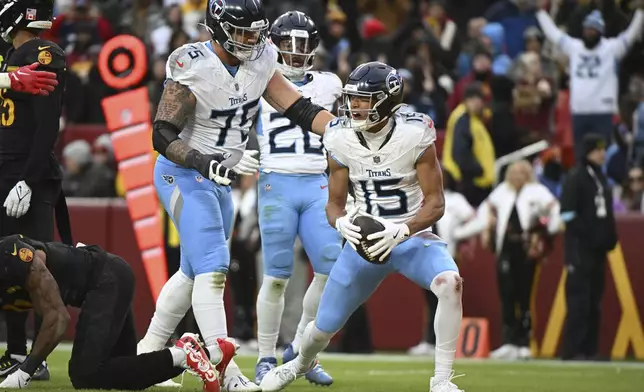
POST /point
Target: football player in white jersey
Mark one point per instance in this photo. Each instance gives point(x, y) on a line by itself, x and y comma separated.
point(390, 159)
point(210, 99)
point(594, 74)
point(292, 194)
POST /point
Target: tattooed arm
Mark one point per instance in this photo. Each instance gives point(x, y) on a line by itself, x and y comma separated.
point(47, 302)
point(281, 95)
point(176, 106)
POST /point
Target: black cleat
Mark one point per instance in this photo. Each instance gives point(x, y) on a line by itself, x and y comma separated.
point(42, 373)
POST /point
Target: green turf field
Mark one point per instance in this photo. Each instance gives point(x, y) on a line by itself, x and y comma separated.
point(383, 373)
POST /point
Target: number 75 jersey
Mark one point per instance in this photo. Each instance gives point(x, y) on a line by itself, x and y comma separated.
point(284, 146)
point(384, 180)
point(226, 104)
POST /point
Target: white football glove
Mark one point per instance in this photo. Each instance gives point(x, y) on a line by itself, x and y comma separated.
point(219, 173)
point(348, 230)
point(17, 379)
point(392, 235)
point(18, 201)
point(249, 164)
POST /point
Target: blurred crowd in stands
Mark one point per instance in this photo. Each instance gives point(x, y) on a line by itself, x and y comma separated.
point(440, 47)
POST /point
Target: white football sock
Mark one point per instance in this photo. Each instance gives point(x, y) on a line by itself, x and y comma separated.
point(178, 357)
point(172, 305)
point(208, 306)
point(215, 354)
point(309, 306)
point(313, 342)
point(270, 307)
point(448, 287)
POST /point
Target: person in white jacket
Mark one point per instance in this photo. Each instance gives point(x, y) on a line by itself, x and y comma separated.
point(458, 227)
point(593, 62)
point(522, 216)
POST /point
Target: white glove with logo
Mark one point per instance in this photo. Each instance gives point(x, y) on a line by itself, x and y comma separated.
point(348, 230)
point(392, 235)
point(18, 201)
point(220, 173)
point(17, 379)
point(249, 164)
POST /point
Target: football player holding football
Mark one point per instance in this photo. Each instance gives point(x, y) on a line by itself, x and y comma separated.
point(389, 157)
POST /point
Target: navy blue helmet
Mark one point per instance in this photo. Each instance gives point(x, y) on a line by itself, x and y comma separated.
point(296, 39)
point(376, 83)
point(239, 26)
point(24, 14)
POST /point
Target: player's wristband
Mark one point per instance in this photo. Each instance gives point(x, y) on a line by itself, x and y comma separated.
point(30, 365)
point(5, 81)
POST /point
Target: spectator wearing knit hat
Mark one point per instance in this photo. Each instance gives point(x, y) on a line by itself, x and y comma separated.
point(82, 177)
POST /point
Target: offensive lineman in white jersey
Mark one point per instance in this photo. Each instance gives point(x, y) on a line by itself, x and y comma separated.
point(391, 161)
point(594, 62)
point(292, 194)
point(210, 98)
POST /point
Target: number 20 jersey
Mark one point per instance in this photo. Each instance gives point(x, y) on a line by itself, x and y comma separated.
point(384, 181)
point(284, 147)
point(226, 105)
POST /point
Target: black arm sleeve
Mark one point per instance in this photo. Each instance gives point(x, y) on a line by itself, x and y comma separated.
point(462, 149)
point(303, 112)
point(163, 133)
point(47, 111)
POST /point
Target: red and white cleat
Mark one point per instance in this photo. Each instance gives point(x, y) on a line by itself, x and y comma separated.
point(198, 363)
point(227, 350)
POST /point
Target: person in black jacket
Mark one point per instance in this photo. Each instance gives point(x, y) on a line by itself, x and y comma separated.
point(586, 209)
point(30, 176)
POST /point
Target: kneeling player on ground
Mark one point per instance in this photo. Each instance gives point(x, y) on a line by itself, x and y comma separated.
point(390, 159)
point(102, 286)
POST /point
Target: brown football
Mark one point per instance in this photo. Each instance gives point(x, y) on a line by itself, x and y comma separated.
point(368, 226)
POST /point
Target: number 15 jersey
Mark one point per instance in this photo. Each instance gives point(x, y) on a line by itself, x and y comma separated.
point(384, 179)
point(284, 146)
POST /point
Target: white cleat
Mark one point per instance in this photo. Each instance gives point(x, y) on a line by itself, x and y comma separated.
point(168, 384)
point(507, 351)
point(444, 385)
point(239, 383)
point(422, 349)
point(143, 348)
point(280, 377)
point(524, 353)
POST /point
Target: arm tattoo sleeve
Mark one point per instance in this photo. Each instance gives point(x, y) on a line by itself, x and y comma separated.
point(47, 301)
point(176, 106)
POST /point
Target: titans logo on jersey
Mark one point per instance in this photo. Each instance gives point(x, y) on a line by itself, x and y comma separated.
point(384, 180)
point(227, 100)
point(284, 146)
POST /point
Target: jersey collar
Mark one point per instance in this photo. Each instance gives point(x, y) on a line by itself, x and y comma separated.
point(390, 132)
